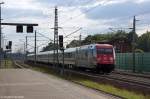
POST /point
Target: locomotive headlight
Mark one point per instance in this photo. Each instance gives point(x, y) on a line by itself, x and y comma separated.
point(98, 59)
point(111, 59)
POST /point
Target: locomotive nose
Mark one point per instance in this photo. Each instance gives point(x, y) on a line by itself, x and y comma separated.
point(111, 59)
point(98, 59)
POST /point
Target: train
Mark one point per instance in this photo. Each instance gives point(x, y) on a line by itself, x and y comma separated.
point(96, 57)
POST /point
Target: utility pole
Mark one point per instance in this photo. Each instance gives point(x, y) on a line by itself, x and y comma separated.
point(26, 53)
point(0, 27)
point(134, 41)
point(0, 34)
point(80, 38)
point(56, 37)
point(63, 60)
point(35, 48)
point(24, 58)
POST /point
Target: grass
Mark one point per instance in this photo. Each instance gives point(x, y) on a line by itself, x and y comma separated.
point(7, 63)
point(89, 83)
point(113, 90)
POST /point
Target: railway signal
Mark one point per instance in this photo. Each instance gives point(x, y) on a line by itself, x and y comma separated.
point(9, 45)
point(19, 29)
point(62, 49)
point(61, 41)
point(29, 29)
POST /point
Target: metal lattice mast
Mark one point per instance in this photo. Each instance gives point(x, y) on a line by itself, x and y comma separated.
point(56, 37)
point(0, 33)
point(133, 42)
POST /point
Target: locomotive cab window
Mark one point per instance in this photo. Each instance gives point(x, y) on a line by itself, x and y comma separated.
point(104, 51)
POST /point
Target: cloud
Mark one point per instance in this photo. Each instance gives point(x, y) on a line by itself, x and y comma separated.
point(17, 13)
point(117, 10)
point(67, 3)
point(73, 13)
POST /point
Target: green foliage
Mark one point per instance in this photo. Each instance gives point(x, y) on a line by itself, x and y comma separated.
point(130, 36)
point(90, 39)
point(144, 42)
point(139, 51)
point(7, 63)
point(97, 38)
point(120, 35)
point(49, 47)
point(73, 43)
point(113, 90)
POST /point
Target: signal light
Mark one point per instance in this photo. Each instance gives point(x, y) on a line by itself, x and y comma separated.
point(10, 43)
point(29, 29)
point(7, 47)
point(19, 29)
point(61, 41)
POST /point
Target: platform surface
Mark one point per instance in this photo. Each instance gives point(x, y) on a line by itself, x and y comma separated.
point(29, 84)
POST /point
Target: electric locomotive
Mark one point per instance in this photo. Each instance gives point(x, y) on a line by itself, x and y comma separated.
point(99, 57)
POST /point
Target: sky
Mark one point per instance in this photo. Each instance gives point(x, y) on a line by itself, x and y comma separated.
point(93, 16)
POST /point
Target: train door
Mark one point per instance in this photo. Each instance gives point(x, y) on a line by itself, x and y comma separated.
point(82, 57)
point(90, 55)
point(76, 57)
point(85, 58)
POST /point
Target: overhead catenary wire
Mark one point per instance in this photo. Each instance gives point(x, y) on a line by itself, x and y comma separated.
point(38, 45)
point(77, 16)
point(72, 32)
point(44, 36)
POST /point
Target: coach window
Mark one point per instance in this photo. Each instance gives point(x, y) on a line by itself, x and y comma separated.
point(65, 55)
point(92, 52)
point(70, 54)
point(86, 53)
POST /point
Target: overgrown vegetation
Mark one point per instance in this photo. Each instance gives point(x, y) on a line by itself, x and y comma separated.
point(49, 47)
point(7, 63)
point(89, 83)
point(142, 42)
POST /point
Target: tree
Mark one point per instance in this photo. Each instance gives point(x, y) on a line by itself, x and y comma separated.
point(120, 34)
point(49, 47)
point(73, 43)
point(97, 38)
point(144, 42)
point(90, 39)
point(130, 36)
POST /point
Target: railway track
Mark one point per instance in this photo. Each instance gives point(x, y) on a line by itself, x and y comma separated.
point(132, 74)
point(141, 82)
point(21, 65)
point(121, 81)
point(131, 78)
point(145, 82)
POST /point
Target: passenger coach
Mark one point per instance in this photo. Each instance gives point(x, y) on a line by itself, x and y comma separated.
point(97, 57)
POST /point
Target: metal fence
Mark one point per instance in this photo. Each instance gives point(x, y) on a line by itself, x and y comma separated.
point(124, 61)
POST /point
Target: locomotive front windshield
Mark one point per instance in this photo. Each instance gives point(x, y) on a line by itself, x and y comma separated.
point(104, 51)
